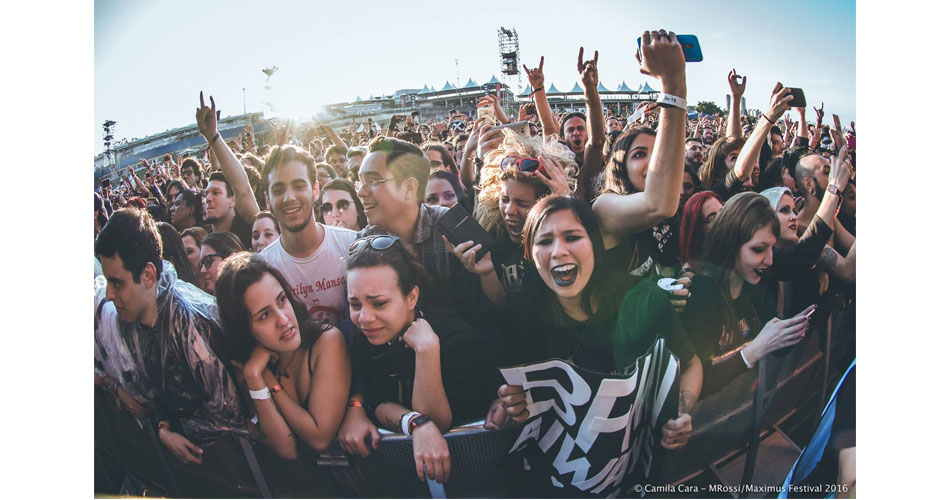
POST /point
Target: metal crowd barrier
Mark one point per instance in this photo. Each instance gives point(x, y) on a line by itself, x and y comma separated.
point(725, 424)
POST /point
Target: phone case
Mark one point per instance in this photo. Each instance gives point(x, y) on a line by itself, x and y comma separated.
point(459, 226)
point(692, 52)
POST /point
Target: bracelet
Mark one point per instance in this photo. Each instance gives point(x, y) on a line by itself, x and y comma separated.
point(164, 425)
point(354, 403)
point(277, 388)
point(260, 394)
point(767, 119)
point(416, 422)
point(669, 100)
point(217, 135)
point(404, 421)
point(539, 89)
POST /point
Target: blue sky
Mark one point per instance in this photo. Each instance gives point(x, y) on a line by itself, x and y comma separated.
point(151, 59)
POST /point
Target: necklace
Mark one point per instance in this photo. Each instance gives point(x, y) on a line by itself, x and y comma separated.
point(282, 372)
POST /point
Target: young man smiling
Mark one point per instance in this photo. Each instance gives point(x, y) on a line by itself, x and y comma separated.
point(392, 185)
point(307, 253)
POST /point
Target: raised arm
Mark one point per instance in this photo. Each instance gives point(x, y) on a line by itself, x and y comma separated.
point(593, 150)
point(245, 203)
point(621, 215)
point(749, 154)
point(328, 131)
point(737, 88)
point(549, 125)
point(491, 101)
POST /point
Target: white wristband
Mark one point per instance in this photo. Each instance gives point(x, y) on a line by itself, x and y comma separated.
point(260, 393)
point(404, 423)
point(669, 100)
point(746, 361)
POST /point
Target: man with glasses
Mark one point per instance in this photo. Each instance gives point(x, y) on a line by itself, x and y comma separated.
point(191, 173)
point(308, 254)
point(392, 184)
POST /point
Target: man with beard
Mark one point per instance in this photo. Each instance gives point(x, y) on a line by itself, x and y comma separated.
point(308, 254)
point(694, 153)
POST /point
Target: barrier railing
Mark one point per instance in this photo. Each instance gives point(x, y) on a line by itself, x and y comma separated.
point(723, 424)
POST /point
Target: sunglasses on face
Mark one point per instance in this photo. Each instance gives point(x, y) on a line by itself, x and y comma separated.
point(207, 260)
point(341, 206)
point(526, 164)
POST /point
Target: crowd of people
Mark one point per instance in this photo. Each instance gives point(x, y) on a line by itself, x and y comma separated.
point(298, 289)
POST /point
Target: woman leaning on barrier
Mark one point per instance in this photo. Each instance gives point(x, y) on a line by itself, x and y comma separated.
point(724, 316)
point(417, 368)
point(297, 373)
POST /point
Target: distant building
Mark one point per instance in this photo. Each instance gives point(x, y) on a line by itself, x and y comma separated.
point(176, 141)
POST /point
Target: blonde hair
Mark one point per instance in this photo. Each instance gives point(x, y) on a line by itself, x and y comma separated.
point(493, 176)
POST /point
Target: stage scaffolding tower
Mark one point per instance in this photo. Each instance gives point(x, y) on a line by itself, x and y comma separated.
point(509, 54)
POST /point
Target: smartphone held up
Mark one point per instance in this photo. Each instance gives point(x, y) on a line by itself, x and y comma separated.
point(692, 52)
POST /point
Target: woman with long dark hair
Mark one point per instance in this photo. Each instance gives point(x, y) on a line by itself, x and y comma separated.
point(417, 368)
point(191, 240)
point(297, 372)
point(174, 251)
point(340, 206)
point(726, 316)
point(582, 312)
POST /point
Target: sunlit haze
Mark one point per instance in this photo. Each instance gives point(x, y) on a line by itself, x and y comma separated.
point(151, 59)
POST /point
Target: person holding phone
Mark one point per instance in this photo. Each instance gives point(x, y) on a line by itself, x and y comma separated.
point(725, 316)
point(417, 368)
point(519, 172)
point(726, 172)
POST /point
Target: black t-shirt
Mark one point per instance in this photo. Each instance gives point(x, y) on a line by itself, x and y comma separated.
point(608, 343)
point(509, 262)
point(717, 337)
point(650, 254)
point(385, 373)
point(241, 229)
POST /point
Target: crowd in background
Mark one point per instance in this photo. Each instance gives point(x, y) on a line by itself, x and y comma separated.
point(299, 289)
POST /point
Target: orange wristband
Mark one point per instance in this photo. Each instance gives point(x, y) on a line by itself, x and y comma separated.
point(353, 402)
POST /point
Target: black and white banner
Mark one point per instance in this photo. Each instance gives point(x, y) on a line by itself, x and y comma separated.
point(596, 433)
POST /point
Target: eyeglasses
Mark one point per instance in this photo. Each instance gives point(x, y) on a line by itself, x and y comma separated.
point(376, 242)
point(526, 164)
point(371, 183)
point(207, 260)
point(341, 206)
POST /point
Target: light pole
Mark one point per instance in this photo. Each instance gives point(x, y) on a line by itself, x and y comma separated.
point(244, 97)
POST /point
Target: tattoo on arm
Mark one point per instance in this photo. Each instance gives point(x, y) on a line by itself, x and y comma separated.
point(827, 259)
point(687, 400)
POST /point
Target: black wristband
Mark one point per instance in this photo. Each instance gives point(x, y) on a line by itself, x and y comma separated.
point(217, 135)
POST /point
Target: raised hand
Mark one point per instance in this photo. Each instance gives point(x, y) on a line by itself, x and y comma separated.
point(662, 57)
point(207, 118)
point(466, 254)
point(736, 84)
point(588, 70)
point(778, 104)
point(840, 170)
point(820, 112)
point(491, 101)
point(536, 75)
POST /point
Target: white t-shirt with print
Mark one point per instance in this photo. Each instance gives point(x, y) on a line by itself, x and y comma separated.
point(317, 280)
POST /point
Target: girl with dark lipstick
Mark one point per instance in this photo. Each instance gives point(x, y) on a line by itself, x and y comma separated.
point(581, 312)
point(726, 315)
